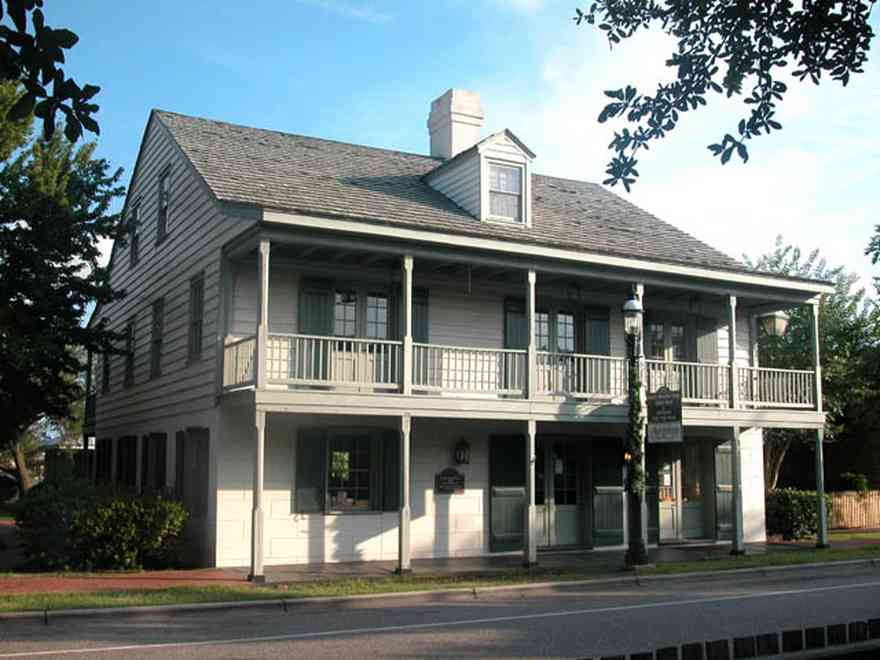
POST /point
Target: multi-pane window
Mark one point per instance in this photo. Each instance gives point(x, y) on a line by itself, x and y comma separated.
point(345, 314)
point(655, 341)
point(348, 485)
point(676, 337)
point(196, 316)
point(542, 331)
point(377, 316)
point(156, 337)
point(565, 481)
point(128, 379)
point(164, 200)
point(565, 332)
point(505, 192)
point(134, 219)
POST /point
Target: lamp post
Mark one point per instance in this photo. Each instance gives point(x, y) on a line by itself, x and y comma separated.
point(637, 553)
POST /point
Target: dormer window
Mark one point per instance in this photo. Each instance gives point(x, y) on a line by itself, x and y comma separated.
point(505, 192)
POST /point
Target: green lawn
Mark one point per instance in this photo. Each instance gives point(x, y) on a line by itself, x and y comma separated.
point(391, 584)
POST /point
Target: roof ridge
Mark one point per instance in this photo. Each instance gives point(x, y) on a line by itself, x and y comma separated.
point(160, 112)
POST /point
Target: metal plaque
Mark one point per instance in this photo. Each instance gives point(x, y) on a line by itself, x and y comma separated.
point(664, 416)
point(449, 482)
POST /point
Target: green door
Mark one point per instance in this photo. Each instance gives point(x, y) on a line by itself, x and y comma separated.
point(723, 492)
point(607, 492)
point(507, 477)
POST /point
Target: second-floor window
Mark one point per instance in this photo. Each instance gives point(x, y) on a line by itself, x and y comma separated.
point(505, 192)
point(196, 315)
point(163, 202)
point(134, 219)
point(345, 314)
point(128, 379)
point(665, 341)
point(156, 338)
point(377, 316)
point(554, 331)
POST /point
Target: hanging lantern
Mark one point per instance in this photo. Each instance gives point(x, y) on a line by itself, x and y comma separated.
point(775, 324)
point(462, 453)
point(632, 316)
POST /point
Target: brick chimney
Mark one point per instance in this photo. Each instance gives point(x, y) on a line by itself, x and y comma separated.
point(454, 123)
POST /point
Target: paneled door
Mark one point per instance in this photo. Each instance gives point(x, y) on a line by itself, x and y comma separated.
point(507, 479)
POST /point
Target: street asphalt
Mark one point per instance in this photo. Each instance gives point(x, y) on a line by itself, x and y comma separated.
point(561, 622)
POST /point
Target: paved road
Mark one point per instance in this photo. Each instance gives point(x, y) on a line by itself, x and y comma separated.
point(571, 622)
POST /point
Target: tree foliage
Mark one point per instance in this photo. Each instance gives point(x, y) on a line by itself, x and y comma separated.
point(849, 339)
point(728, 47)
point(54, 209)
point(873, 251)
point(32, 57)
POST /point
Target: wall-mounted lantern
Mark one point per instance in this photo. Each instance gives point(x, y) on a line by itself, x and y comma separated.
point(462, 453)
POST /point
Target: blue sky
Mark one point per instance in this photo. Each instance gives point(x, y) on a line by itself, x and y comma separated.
point(365, 71)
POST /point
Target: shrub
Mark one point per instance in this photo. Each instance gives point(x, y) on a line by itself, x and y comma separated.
point(72, 526)
point(856, 482)
point(792, 514)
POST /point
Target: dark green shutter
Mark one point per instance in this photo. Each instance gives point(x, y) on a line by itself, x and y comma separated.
point(516, 330)
point(316, 307)
point(420, 315)
point(311, 466)
point(390, 453)
point(598, 331)
point(607, 491)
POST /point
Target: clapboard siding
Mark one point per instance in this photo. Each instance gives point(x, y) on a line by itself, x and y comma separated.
point(197, 228)
point(460, 182)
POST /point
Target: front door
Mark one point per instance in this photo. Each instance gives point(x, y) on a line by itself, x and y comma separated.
point(507, 478)
point(669, 494)
point(559, 494)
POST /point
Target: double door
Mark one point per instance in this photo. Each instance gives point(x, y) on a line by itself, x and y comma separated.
point(559, 497)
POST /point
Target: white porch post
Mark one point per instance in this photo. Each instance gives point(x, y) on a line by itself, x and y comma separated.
point(733, 388)
point(530, 539)
point(256, 574)
point(821, 512)
point(403, 547)
point(736, 459)
point(261, 359)
point(407, 324)
point(532, 362)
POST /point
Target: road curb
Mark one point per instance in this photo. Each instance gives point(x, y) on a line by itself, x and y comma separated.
point(289, 603)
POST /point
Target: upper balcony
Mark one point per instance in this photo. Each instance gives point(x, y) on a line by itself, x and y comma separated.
point(366, 322)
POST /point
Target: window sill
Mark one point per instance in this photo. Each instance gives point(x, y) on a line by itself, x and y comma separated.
point(356, 512)
point(499, 220)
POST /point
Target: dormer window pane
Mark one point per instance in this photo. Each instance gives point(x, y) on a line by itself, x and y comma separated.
point(505, 192)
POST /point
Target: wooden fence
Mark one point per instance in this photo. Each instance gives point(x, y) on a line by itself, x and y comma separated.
point(850, 509)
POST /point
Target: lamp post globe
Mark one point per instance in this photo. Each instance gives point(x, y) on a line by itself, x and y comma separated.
point(632, 316)
point(775, 324)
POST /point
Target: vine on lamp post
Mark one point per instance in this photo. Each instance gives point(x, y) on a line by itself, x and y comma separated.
point(634, 447)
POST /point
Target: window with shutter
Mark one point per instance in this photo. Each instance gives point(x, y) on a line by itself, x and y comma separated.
point(196, 316)
point(390, 462)
point(316, 308)
point(516, 332)
point(597, 331)
point(156, 337)
point(420, 315)
point(311, 472)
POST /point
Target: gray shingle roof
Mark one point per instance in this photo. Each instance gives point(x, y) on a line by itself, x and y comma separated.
point(315, 176)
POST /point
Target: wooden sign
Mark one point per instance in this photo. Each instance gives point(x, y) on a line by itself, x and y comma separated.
point(664, 416)
point(449, 482)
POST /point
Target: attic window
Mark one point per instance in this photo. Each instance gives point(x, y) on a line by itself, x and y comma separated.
point(505, 192)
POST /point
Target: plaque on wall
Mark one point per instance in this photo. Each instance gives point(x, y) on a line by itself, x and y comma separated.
point(449, 482)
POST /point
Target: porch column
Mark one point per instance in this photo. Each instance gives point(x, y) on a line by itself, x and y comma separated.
point(403, 556)
point(407, 324)
point(531, 360)
point(733, 387)
point(530, 539)
point(736, 457)
point(256, 574)
point(821, 512)
point(261, 359)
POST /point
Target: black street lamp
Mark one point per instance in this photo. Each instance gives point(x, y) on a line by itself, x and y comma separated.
point(637, 553)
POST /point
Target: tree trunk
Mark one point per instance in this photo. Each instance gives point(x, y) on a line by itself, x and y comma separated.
point(774, 453)
point(24, 476)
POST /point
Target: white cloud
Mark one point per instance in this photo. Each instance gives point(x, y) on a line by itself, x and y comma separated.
point(814, 182)
point(105, 247)
point(360, 12)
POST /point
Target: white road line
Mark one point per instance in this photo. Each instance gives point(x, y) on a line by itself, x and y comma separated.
point(439, 624)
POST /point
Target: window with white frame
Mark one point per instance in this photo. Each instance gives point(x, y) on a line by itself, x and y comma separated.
point(345, 314)
point(505, 192)
point(377, 316)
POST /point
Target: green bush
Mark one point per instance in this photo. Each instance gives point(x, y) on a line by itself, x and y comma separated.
point(70, 525)
point(792, 514)
point(856, 482)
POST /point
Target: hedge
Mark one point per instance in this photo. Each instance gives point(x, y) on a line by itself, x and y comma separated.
point(71, 525)
point(792, 513)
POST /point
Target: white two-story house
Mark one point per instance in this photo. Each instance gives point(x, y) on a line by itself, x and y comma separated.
point(342, 353)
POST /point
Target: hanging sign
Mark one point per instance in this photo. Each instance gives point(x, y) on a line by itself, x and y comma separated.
point(664, 416)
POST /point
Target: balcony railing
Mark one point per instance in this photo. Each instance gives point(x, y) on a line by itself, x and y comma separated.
point(238, 363)
point(573, 374)
point(374, 365)
point(698, 383)
point(440, 369)
point(761, 387)
point(334, 362)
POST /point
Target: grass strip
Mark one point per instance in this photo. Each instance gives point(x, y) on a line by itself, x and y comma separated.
point(394, 584)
